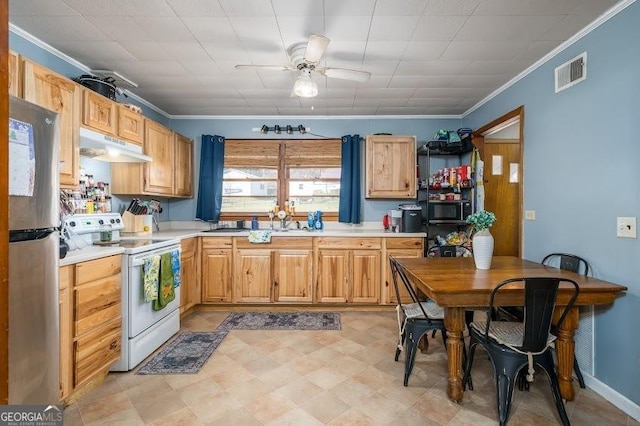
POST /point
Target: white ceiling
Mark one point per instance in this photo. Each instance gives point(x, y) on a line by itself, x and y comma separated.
point(427, 57)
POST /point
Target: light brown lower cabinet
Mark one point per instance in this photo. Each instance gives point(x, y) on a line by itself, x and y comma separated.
point(216, 272)
point(279, 271)
point(348, 270)
point(90, 322)
point(398, 247)
point(302, 269)
point(190, 291)
point(66, 331)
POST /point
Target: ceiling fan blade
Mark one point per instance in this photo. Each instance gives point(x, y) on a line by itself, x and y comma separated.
point(346, 74)
point(265, 67)
point(315, 48)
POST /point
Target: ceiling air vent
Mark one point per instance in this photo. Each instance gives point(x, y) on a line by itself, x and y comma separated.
point(571, 73)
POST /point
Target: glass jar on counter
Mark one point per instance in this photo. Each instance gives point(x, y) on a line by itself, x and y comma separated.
point(106, 233)
point(107, 204)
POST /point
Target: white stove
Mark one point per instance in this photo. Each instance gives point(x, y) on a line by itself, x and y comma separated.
point(143, 329)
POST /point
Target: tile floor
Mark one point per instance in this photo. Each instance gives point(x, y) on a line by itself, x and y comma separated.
point(345, 377)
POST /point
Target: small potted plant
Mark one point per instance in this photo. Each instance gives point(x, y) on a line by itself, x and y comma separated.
point(482, 240)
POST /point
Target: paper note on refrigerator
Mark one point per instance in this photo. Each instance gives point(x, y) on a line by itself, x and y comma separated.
point(22, 159)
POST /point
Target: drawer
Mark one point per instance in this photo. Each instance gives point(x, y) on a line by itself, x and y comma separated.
point(277, 243)
point(96, 269)
point(404, 243)
point(96, 303)
point(97, 350)
point(349, 243)
point(216, 242)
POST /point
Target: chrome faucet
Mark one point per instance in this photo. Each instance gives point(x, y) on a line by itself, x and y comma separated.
point(284, 225)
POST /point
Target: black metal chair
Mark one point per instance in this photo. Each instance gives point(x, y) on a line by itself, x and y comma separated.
point(573, 263)
point(414, 319)
point(512, 346)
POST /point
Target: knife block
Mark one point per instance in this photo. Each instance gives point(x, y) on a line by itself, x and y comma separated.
point(140, 224)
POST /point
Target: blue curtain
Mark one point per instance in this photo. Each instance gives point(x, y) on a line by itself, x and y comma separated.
point(210, 187)
point(350, 193)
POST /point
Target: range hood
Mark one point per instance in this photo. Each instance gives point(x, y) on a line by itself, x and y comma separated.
point(107, 148)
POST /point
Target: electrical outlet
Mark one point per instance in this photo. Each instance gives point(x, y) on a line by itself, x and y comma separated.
point(626, 227)
point(530, 214)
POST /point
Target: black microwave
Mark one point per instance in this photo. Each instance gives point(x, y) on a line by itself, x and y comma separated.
point(448, 211)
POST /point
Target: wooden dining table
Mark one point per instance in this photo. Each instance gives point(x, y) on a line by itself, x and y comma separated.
point(456, 285)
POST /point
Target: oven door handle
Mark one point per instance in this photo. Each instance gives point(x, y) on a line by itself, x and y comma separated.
point(138, 260)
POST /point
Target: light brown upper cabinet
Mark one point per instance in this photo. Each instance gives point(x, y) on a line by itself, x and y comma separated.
point(390, 166)
point(111, 118)
point(172, 159)
point(130, 125)
point(58, 94)
point(14, 74)
point(99, 112)
point(184, 166)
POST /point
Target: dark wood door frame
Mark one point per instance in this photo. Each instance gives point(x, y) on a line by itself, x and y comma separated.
point(4, 202)
point(478, 141)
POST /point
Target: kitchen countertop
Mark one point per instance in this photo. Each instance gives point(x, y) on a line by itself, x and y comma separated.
point(89, 253)
point(95, 252)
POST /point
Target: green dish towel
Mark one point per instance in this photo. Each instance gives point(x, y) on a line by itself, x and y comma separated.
point(166, 292)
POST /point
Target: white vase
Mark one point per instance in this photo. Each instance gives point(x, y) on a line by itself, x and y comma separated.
point(483, 249)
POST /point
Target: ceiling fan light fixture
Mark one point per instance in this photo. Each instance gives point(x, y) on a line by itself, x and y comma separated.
point(304, 86)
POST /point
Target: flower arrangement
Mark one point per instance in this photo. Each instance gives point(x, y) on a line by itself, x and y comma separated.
point(481, 220)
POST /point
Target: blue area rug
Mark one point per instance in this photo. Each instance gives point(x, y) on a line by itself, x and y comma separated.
point(185, 354)
point(281, 321)
point(190, 350)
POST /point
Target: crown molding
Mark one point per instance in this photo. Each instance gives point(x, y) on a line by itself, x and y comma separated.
point(619, 7)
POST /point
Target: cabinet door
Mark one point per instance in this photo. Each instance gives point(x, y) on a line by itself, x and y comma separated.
point(292, 274)
point(130, 125)
point(390, 166)
point(14, 74)
point(252, 278)
point(216, 275)
point(159, 145)
point(365, 279)
point(184, 166)
point(59, 94)
point(388, 279)
point(95, 351)
point(189, 291)
point(98, 112)
point(333, 267)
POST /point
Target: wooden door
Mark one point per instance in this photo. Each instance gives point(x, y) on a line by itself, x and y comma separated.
point(333, 267)
point(58, 94)
point(184, 166)
point(365, 278)
point(292, 274)
point(159, 145)
point(502, 193)
point(216, 275)
point(252, 277)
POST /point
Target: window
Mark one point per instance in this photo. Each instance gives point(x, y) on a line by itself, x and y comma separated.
point(261, 173)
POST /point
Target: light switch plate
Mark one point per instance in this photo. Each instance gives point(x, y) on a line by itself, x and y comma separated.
point(626, 227)
point(530, 215)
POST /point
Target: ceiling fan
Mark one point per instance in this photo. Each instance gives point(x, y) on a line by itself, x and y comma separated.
point(304, 57)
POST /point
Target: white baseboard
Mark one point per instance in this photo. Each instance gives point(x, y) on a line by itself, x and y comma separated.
point(617, 399)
